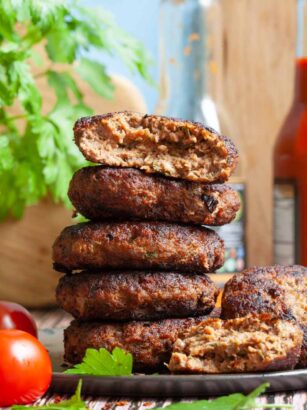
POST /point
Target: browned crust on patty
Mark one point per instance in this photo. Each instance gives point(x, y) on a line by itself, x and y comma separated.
point(157, 144)
point(101, 193)
point(254, 343)
point(279, 290)
point(136, 295)
point(150, 343)
point(303, 358)
point(138, 246)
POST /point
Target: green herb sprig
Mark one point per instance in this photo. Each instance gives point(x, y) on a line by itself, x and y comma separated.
point(74, 403)
point(236, 401)
point(103, 363)
point(37, 153)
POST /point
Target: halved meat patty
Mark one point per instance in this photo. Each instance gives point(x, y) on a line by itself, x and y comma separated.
point(101, 193)
point(150, 343)
point(136, 295)
point(154, 144)
point(254, 343)
point(138, 246)
point(279, 290)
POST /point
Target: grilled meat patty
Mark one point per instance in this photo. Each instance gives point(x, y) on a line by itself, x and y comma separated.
point(136, 295)
point(101, 193)
point(154, 144)
point(253, 343)
point(150, 343)
point(280, 290)
point(138, 246)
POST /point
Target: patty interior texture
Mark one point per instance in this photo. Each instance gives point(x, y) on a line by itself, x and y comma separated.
point(279, 290)
point(155, 144)
point(150, 342)
point(249, 344)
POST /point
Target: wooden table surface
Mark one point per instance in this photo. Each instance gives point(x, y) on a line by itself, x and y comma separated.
point(60, 319)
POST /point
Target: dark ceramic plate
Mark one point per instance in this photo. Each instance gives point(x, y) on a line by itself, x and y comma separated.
point(164, 385)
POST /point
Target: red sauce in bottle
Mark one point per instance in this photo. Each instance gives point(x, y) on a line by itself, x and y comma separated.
point(290, 178)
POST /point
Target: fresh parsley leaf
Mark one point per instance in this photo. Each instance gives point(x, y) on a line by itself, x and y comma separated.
point(96, 76)
point(7, 20)
point(236, 401)
point(47, 14)
point(129, 49)
point(249, 400)
point(6, 155)
point(78, 218)
point(74, 403)
point(61, 45)
point(63, 83)
point(221, 403)
point(103, 363)
point(37, 152)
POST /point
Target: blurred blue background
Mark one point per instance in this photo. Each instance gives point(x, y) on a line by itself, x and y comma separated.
point(141, 19)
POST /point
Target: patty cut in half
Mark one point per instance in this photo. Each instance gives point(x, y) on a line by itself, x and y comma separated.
point(138, 246)
point(253, 343)
point(280, 290)
point(172, 147)
point(101, 193)
point(150, 343)
point(136, 295)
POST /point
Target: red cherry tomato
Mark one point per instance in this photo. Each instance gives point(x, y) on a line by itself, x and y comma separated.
point(25, 368)
point(14, 316)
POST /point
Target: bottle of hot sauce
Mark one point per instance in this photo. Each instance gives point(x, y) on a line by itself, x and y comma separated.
point(290, 166)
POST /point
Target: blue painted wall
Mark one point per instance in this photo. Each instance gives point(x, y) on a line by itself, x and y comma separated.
point(141, 19)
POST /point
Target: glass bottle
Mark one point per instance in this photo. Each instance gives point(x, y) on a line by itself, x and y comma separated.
point(290, 163)
point(191, 70)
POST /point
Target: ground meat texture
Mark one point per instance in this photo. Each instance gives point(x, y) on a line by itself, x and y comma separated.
point(150, 343)
point(101, 193)
point(255, 343)
point(154, 144)
point(280, 290)
point(136, 295)
point(138, 246)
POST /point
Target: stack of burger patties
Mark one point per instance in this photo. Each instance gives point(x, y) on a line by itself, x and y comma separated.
point(136, 272)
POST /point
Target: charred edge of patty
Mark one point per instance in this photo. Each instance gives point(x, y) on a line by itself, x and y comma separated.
point(302, 364)
point(255, 290)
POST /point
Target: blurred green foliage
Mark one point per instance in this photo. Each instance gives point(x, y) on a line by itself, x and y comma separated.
point(37, 153)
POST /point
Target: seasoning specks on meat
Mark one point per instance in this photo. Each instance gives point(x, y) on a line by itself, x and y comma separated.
point(279, 290)
point(155, 144)
point(138, 246)
point(254, 343)
point(150, 343)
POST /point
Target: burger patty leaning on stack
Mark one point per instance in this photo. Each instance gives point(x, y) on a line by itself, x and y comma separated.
point(136, 272)
point(277, 290)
